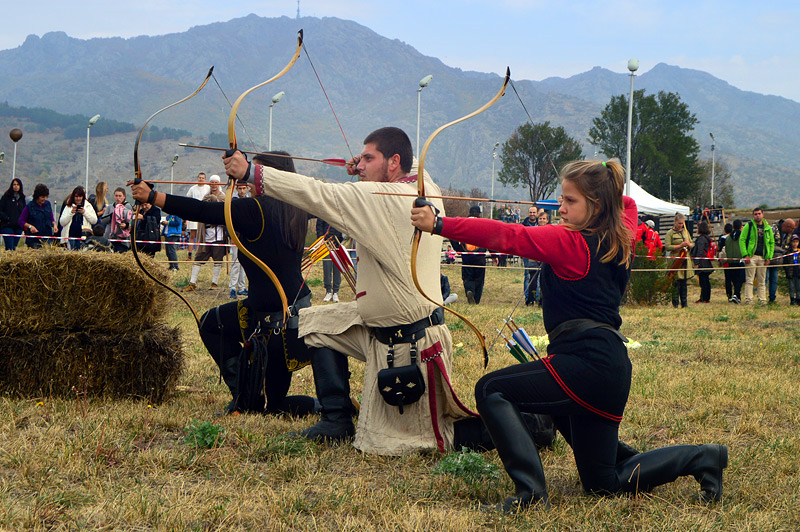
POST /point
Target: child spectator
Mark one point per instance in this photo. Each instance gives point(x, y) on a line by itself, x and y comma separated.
point(97, 242)
point(723, 255)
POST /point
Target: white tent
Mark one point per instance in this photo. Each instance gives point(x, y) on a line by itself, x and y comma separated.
point(649, 204)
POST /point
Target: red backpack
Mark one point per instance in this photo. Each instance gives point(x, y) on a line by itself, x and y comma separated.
point(712, 248)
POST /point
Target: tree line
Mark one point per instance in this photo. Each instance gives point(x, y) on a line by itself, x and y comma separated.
point(74, 126)
point(664, 155)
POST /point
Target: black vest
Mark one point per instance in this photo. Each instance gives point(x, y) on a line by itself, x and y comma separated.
point(596, 295)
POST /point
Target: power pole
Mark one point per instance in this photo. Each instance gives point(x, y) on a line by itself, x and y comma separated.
point(298, 9)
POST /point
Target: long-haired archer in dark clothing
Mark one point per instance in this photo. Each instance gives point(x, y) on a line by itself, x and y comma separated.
point(247, 339)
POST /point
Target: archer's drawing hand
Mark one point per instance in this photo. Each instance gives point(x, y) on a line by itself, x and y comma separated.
point(352, 166)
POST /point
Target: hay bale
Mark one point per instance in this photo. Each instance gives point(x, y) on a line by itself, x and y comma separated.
point(47, 290)
point(144, 363)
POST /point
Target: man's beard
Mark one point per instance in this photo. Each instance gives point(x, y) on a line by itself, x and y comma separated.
point(385, 172)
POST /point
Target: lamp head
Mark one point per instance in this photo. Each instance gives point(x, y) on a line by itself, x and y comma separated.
point(2, 156)
point(277, 97)
point(633, 65)
point(711, 135)
point(424, 81)
point(93, 119)
point(15, 134)
point(175, 159)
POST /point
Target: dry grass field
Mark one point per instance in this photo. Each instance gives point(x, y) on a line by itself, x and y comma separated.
point(710, 373)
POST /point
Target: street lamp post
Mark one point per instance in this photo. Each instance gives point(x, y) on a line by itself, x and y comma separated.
point(92, 121)
point(275, 99)
point(172, 172)
point(494, 156)
point(633, 66)
point(670, 187)
point(15, 134)
point(713, 167)
point(422, 84)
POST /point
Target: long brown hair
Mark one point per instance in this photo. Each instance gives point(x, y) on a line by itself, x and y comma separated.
point(292, 221)
point(602, 184)
point(79, 190)
point(100, 192)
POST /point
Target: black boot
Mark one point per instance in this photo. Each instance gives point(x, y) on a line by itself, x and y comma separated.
point(653, 468)
point(625, 451)
point(332, 380)
point(517, 451)
point(472, 434)
point(229, 371)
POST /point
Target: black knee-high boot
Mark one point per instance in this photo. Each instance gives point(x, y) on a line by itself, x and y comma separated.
point(517, 451)
point(653, 468)
point(229, 370)
point(332, 380)
point(472, 434)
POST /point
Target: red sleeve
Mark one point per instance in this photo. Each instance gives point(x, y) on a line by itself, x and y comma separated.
point(565, 250)
point(630, 214)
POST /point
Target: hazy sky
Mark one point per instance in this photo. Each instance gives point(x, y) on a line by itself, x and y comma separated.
point(752, 45)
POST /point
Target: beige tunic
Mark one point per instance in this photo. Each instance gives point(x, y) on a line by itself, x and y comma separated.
point(386, 296)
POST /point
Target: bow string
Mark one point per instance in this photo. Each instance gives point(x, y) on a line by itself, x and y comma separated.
point(138, 179)
point(421, 196)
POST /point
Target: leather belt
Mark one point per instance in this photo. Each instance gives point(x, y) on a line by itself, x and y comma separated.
point(274, 320)
point(403, 334)
point(571, 327)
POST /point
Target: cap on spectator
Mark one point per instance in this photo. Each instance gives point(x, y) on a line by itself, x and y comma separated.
point(475, 210)
point(214, 179)
point(795, 237)
point(651, 224)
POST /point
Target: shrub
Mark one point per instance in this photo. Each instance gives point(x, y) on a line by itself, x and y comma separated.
point(648, 287)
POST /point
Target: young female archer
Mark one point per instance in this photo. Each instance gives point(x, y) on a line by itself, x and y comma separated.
point(585, 379)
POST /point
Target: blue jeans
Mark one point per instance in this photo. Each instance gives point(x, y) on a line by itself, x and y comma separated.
point(530, 276)
point(11, 241)
point(772, 281)
point(172, 251)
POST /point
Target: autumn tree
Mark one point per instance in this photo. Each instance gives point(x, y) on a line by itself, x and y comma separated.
point(661, 142)
point(531, 156)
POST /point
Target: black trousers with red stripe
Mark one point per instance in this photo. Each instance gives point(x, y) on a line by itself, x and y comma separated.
point(594, 439)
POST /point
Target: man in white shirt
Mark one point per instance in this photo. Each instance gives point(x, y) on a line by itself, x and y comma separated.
point(197, 192)
point(209, 234)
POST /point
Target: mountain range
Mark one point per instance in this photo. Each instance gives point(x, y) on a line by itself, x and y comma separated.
point(371, 81)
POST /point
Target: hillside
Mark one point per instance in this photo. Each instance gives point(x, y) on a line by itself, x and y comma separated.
point(371, 81)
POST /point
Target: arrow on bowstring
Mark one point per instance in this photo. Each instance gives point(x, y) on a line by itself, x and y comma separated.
point(539, 203)
point(333, 162)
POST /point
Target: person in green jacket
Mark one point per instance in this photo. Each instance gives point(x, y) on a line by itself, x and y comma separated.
point(757, 244)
